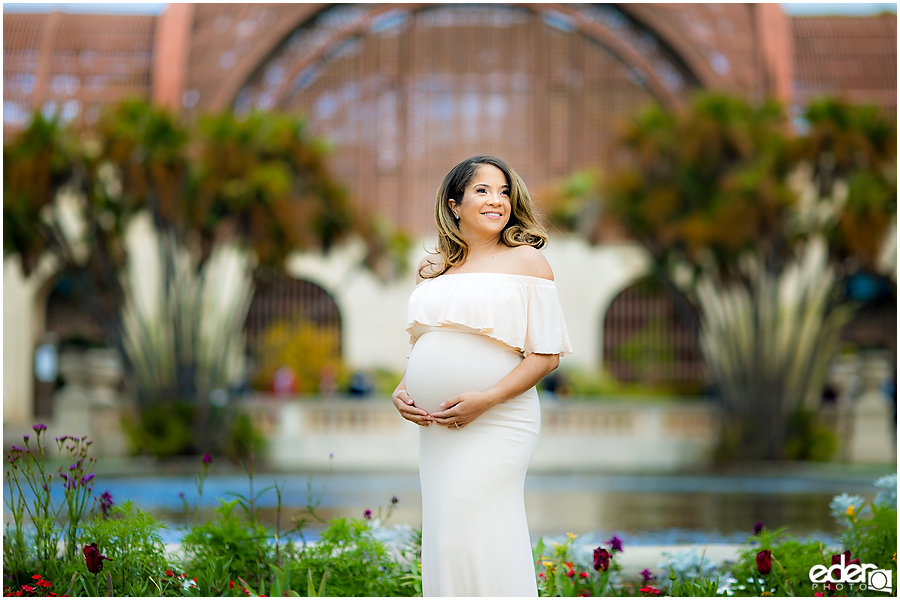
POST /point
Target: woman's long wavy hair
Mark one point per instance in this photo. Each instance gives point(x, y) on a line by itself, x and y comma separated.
point(523, 228)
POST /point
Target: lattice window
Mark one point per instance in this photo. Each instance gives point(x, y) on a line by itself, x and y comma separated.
point(286, 299)
point(294, 326)
point(71, 65)
point(406, 94)
point(650, 337)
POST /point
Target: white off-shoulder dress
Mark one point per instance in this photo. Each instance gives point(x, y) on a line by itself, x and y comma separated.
point(468, 331)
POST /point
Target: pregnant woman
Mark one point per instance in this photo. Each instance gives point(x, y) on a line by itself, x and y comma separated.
point(485, 326)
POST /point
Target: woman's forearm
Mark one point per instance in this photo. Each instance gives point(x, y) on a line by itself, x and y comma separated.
point(526, 375)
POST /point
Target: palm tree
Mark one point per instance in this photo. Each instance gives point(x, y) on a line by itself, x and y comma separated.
point(711, 192)
point(259, 184)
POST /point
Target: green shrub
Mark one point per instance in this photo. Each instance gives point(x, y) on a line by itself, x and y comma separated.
point(792, 560)
point(229, 537)
point(357, 563)
point(132, 539)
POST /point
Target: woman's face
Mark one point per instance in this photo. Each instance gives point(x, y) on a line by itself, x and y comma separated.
point(485, 207)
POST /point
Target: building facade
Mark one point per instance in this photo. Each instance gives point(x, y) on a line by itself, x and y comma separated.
point(405, 91)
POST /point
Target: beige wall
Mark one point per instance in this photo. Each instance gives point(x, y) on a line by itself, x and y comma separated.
point(372, 312)
point(24, 300)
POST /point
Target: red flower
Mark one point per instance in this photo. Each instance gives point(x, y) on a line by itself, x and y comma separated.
point(230, 585)
point(819, 594)
point(764, 562)
point(583, 575)
point(601, 559)
point(583, 594)
point(541, 576)
point(27, 588)
point(37, 576)
point(93, 558)
point(169, 573)
point(44, 583)
point(649, 590)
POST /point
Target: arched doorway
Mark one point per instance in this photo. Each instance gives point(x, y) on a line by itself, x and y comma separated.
point(294, 324)
point(650, 337)
point(66, 325)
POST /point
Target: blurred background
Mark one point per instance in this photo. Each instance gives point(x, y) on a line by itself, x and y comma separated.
point(212, 213)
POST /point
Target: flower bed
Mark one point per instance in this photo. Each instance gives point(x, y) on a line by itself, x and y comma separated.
point(90, 545)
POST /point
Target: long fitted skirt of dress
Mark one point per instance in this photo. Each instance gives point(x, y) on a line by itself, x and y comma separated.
point(475, 538)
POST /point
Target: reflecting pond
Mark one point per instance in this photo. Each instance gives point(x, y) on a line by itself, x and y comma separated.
point(642, 509)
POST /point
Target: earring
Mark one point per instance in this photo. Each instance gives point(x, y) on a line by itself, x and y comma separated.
point(457, 217)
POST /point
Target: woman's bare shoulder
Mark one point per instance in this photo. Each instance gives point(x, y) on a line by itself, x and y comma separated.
point(528, 260)
point(430, 264)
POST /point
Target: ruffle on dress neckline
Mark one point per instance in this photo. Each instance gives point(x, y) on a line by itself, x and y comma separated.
point(520, 311)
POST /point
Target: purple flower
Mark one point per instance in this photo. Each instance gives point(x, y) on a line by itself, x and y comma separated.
point(367, 515)
point(394, 500)
point(106, 503)
point(63, 475)
point(17, 449)
point(647, 575)
point(207, 459)
point(61, 439)
point(39, 427)
point(25, 438)
point(73, 466)
point(181, 495)
point(87, 478)
point(758, 527)
point(615, 543)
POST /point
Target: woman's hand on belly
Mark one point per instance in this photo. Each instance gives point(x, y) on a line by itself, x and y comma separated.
point(407, 408)
point(461, 410)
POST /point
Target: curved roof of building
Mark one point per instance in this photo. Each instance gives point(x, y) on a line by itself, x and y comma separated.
point(229, 41)
point(74, 63)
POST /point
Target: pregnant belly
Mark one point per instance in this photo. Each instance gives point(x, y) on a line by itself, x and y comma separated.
point(445, 363)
